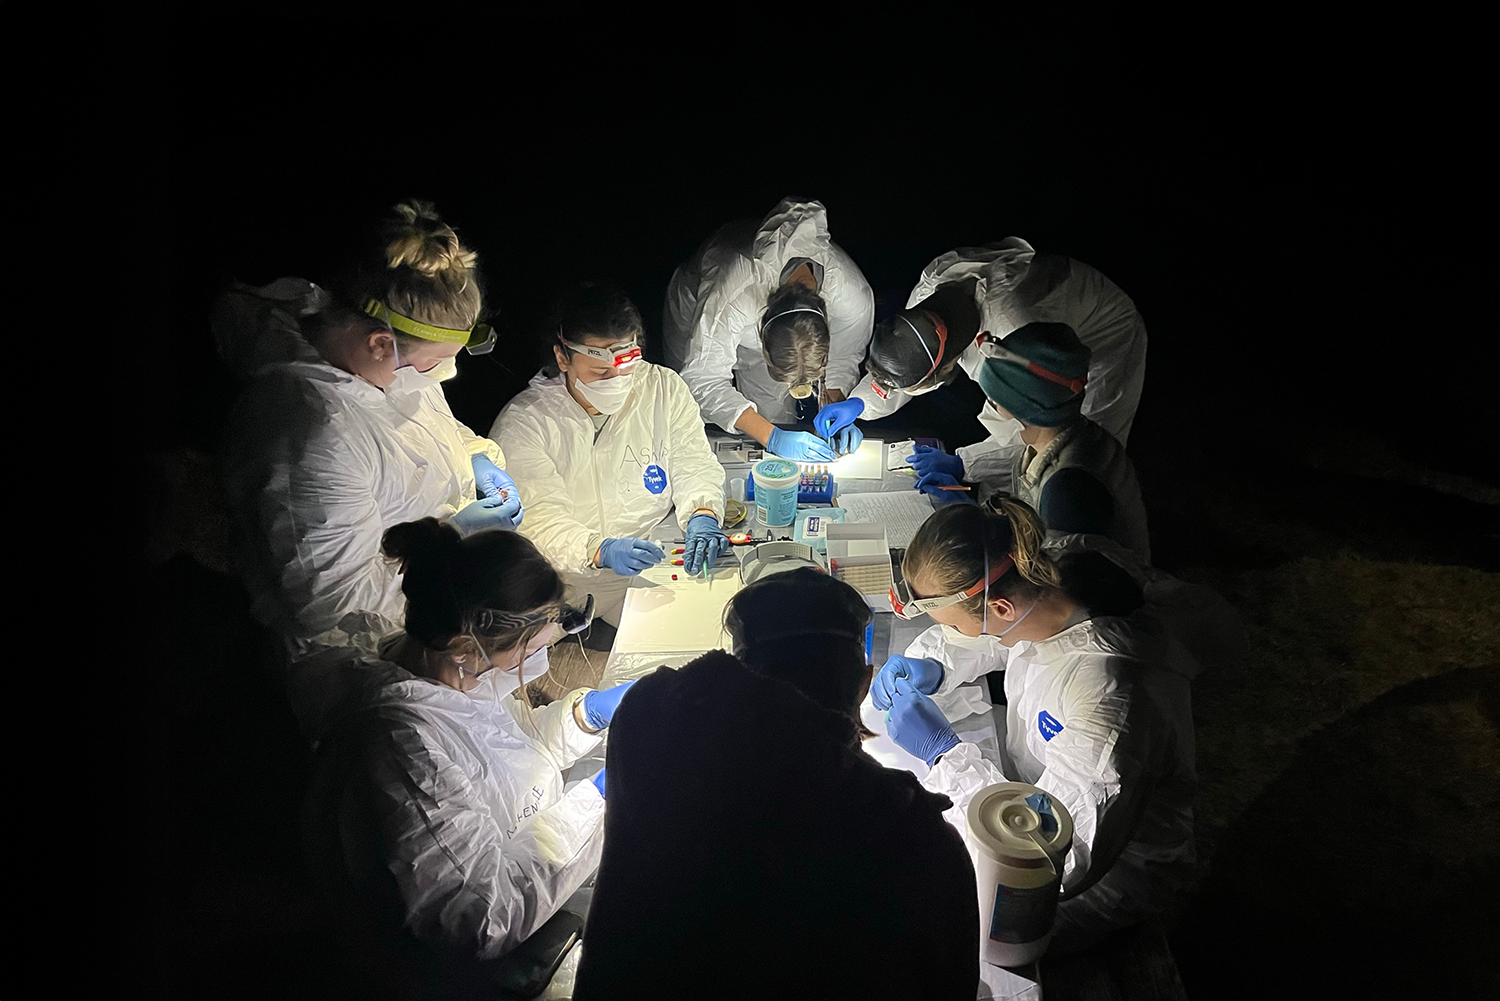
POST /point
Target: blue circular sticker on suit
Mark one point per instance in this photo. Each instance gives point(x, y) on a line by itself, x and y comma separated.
point(655, 478)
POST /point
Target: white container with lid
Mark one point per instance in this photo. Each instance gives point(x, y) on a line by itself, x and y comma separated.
point(1022, 835)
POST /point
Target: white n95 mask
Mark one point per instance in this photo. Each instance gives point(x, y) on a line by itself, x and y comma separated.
point(606, 395)
point(442, 371)
point(496, 684)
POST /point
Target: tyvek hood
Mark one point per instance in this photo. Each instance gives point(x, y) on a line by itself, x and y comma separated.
point(256, 328)
point(792, 229)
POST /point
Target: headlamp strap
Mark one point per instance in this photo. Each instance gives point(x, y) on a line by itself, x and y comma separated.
point(788, 312)
point(1006, 354)
point(942, 335)
point(620, 355)
point(415, 328)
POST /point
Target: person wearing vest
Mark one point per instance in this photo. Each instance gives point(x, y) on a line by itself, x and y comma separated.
point(1072, 471)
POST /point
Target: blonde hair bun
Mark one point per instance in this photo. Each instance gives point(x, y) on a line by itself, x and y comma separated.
point(418, 238)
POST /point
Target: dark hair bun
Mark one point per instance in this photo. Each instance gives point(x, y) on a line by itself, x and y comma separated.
point(419, 542)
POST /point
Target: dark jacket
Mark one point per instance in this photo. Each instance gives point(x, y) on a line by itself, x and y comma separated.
point(752, 850)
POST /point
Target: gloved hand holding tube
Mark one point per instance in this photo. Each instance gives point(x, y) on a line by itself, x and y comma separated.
point(628, 557)
point(834, 417)
point(487, 512)
point(799, 446)
point(847, 441)
point(597, 707)
point(706, 542)
point(917, 725)
point(490, 480)
point(924, 673)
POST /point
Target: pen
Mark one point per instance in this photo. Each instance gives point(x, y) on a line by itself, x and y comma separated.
point(706, 578)
point(955, 488)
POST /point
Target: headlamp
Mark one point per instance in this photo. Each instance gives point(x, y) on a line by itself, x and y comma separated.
point(622, 355)
point(478, 339)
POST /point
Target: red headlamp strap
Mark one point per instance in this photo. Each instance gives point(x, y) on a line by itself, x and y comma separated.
point(1000, 350)
point(942, 336)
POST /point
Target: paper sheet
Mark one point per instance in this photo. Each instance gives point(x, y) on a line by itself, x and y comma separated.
point(662, 615)
point(900, 511)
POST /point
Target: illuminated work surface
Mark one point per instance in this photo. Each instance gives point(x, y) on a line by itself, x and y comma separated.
point(686, 600)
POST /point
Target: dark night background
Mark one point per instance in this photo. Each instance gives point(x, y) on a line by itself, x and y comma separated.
point(1299, 212)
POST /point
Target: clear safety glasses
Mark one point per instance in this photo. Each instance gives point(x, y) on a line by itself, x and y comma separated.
point(622, 355)
point(990, 347)
point(908, 606)
point(569, 620)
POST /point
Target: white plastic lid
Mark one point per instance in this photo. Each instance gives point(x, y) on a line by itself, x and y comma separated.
point(776, 473)
point(1004, 824)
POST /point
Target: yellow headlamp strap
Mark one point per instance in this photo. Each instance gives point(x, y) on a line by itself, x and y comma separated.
point(415, 328)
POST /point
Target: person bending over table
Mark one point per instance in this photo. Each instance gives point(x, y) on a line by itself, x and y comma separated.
point(1097, 709)
point(752, 850)
point(973, 297)
point(1070, 470)
point(763, 316)
point(437, 803)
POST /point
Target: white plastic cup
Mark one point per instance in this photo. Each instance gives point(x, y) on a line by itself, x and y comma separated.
point(1018, 888)
point(737, 489)
point(776, 483)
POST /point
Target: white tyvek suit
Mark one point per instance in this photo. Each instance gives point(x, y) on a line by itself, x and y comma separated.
point(715, 301)
point(649, 457)
point(456, 799)
point(1017, 286)
point(319, 463)
point(1099, 716)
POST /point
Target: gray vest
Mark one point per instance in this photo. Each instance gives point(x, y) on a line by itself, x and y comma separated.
point(1086, 445)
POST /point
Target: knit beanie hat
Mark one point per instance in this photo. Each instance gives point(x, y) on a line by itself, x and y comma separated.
point(1037, 373)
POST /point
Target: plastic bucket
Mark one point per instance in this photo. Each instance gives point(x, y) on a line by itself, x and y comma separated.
point(1019, 879)
point(776, 482)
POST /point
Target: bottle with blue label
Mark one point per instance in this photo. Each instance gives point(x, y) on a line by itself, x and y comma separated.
point(776, 482)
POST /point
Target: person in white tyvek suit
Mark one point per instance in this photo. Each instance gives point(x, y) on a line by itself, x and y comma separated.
point(973, 295)
point(1098, 713)
point(343, 430)
point(605, 445)
point(760, 317)
point(438, 804)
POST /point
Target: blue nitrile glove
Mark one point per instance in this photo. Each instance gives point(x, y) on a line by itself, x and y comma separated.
point(628, 557)
point(490, 479)
point(837, 416)
point(799, 446)
point(487, 512)
point(924, 673)
point(847, 441)
point(705, 541)
point(599, 706)
point(598, 779)
point(926, 459)
point(917, 725)
point(932, 483)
